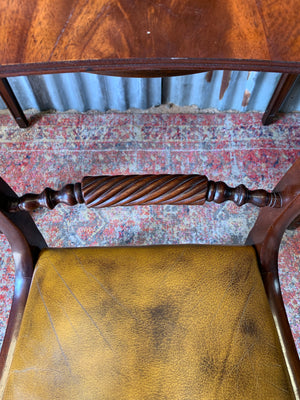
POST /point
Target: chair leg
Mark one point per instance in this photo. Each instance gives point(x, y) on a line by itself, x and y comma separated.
point(12, 103)
point(282, 89)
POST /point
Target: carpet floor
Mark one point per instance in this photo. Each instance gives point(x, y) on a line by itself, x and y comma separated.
point(62, 148)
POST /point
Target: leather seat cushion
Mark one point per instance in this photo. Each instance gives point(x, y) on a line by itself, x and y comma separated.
point(159, 322)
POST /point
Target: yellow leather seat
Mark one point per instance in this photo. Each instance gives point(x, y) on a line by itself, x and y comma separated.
point(163, 322)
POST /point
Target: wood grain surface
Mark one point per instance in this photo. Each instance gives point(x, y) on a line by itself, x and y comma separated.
point(64, 35)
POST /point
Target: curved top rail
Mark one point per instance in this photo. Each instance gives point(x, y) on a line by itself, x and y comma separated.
point(136, 37)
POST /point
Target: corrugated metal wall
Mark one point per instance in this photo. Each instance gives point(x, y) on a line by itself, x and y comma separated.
point(239, 91)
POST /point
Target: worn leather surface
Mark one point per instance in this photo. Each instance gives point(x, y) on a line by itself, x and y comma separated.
point(156, 323)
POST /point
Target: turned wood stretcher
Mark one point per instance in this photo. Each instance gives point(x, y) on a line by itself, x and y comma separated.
point(159, 322)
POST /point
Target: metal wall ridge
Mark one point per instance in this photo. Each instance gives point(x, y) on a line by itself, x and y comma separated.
point(220, 90)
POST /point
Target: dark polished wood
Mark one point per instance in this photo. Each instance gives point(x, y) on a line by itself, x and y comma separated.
point(266, 236)
point(146, 38)
point(26, 242)
point(46, 36)
point(281, 91)
point(70, 194)
point(149, 74)
point(295, 224)
point(12, 103)
point(23, 273)
point(112, 191)
point(220, 192)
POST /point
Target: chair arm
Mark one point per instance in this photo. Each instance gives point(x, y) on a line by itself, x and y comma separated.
point(112, 191)
point(266, 236)
point(26, 242)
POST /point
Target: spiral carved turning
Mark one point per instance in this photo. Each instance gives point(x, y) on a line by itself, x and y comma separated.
point(108, 191)
point(112, 191)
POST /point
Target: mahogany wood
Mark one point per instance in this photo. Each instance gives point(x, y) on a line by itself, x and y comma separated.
point(70, 194)
point(46, 36)
point(283, 87)
point(295, 224)
point(112, 191)
point(149, 74)
point(145, 39)
point(22, 220)
point(266, 236)
point(26, 242)
point(23, 273)
point(12, 103)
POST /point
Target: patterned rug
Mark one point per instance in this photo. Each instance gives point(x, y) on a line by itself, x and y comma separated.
point(62, 148)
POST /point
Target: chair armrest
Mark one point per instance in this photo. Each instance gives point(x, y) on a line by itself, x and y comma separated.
point(26, 242)
point(266, 236)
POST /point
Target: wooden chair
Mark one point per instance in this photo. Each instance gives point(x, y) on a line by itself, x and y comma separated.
point(156, 322)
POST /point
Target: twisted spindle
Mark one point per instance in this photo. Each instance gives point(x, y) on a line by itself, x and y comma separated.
point(108, 191)
point(112, 191)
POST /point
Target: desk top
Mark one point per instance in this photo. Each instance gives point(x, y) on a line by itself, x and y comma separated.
point(136, 36)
